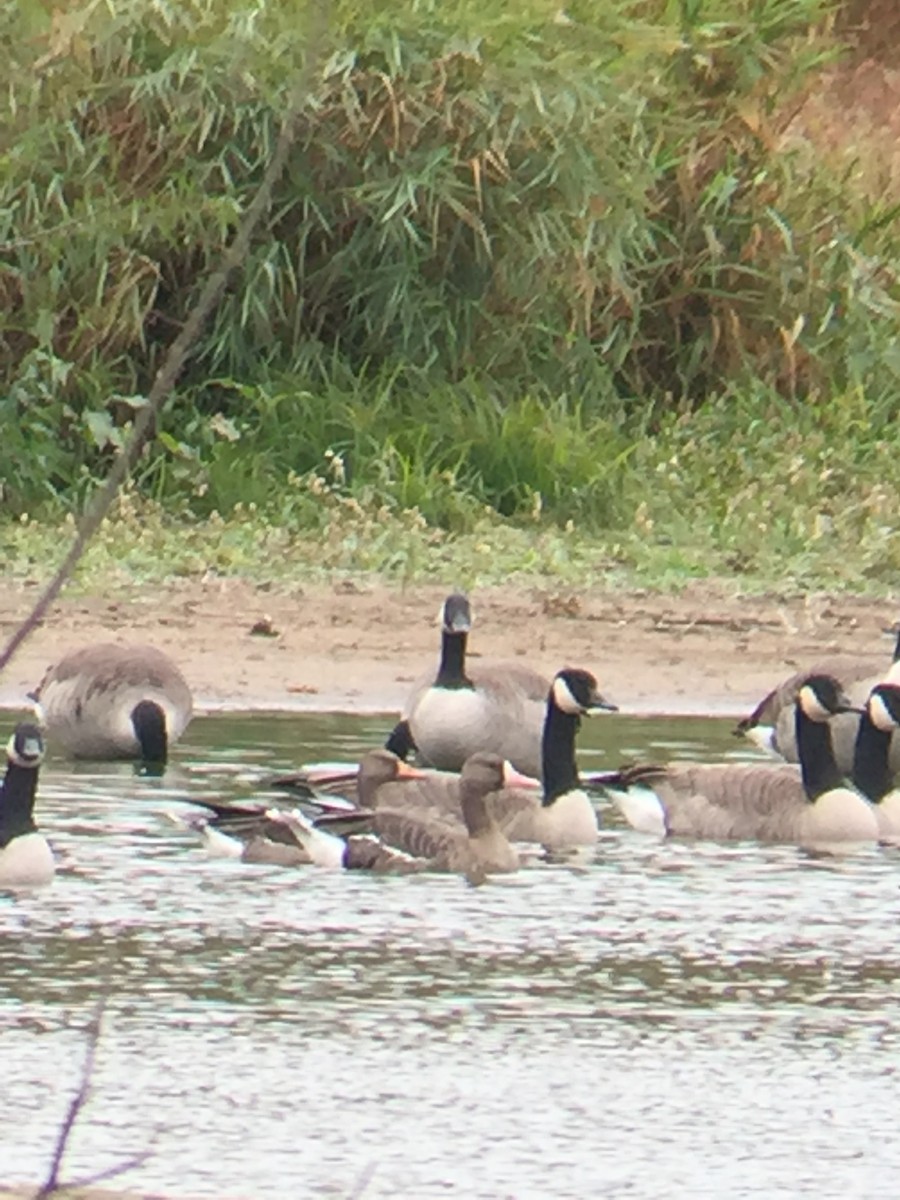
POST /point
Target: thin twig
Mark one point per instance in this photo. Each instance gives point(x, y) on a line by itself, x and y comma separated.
point(178, 352)
point(52, 1184)
point(362, 1182)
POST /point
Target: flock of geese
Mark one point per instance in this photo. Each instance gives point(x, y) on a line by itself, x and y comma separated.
point(480, 767)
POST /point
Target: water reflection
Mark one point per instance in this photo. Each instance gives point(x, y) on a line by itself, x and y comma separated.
point(665, 1020)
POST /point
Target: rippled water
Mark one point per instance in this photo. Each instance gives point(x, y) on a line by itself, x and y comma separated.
point(665, 1021)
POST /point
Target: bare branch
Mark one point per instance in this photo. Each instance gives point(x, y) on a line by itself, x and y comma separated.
point(52, 1185)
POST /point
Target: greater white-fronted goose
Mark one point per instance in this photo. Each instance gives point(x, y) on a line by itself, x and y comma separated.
point(771, 725)
point(26, 860)
point(465, 708)
point(810, 807)
point(413, 840)
point(109, 702)
point(558, 815)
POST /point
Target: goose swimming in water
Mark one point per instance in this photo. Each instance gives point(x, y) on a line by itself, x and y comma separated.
point(764, 802)
point(413, 840)
point(771, 724)
point(872, 773)
point(466, 708)
point(108, 701)
point(558, 815)
point(26, 860)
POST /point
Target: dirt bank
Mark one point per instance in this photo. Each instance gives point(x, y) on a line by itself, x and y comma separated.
point(358, 646)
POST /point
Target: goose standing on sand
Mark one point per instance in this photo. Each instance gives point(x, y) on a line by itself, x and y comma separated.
point(463, 709)
point(872, 773)
point(771, 724)
point(764, 802)
point(409, 840)
point(26, 860)
point(108, 702)
point(558, 815)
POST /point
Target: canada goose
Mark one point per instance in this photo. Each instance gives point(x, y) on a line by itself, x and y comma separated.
point(26, 860)
point(771, 724)
point(765, 802)
point(872, 772)
point(108, 701)
point(463, 709)
point(409, 840)
point(559, 815)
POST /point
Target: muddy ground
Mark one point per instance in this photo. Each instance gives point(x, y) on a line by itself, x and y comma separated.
point(357, 646)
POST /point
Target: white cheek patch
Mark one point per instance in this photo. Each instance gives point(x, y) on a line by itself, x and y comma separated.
point(563, 698)
point(812, 705)
point(33, 752)
point(880, 715)
point(893, 675)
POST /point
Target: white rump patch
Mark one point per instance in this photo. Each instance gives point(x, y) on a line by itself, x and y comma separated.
point(642, 809)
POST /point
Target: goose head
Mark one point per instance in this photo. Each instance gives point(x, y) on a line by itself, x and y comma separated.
point(456, 614)
point(821, 697)
point(574, 691)
point(883, 707)
point(26, 746)
point(382, 766)
point(149, 721)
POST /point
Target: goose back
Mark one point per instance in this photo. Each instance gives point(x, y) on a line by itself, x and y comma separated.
point(808, 806)
point(89, 697)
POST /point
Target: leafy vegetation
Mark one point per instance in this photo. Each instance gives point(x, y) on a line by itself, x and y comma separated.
point(552, 264)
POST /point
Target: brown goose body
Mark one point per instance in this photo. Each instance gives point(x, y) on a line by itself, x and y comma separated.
point(558, 815)
point(409, 840)
point(108, 701)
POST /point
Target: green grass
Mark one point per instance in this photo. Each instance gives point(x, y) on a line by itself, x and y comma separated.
point(537, 280)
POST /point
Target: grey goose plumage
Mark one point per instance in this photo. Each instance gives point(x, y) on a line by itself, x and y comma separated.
point(107, 701)
point(771, 724)
point(558, 815)
point(810, 807)
point(26, 860)
point(465, 707)
point(410, 839)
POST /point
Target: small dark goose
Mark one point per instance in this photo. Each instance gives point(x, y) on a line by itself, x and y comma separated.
point(108, 702)
point(467, 708)
point(26, 860)
point(764, 802)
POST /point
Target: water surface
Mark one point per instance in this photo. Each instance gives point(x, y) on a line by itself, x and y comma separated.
point(663, 1021)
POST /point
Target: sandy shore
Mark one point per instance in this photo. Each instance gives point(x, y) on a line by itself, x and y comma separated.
point(357, 646)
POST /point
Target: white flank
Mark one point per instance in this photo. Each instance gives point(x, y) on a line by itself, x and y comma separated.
point(27, 862)
point(762, 736)
point(642, 809)
point(219, 844)
point(324, 849)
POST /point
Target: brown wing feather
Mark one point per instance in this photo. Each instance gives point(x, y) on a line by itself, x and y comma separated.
point(728, 800)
